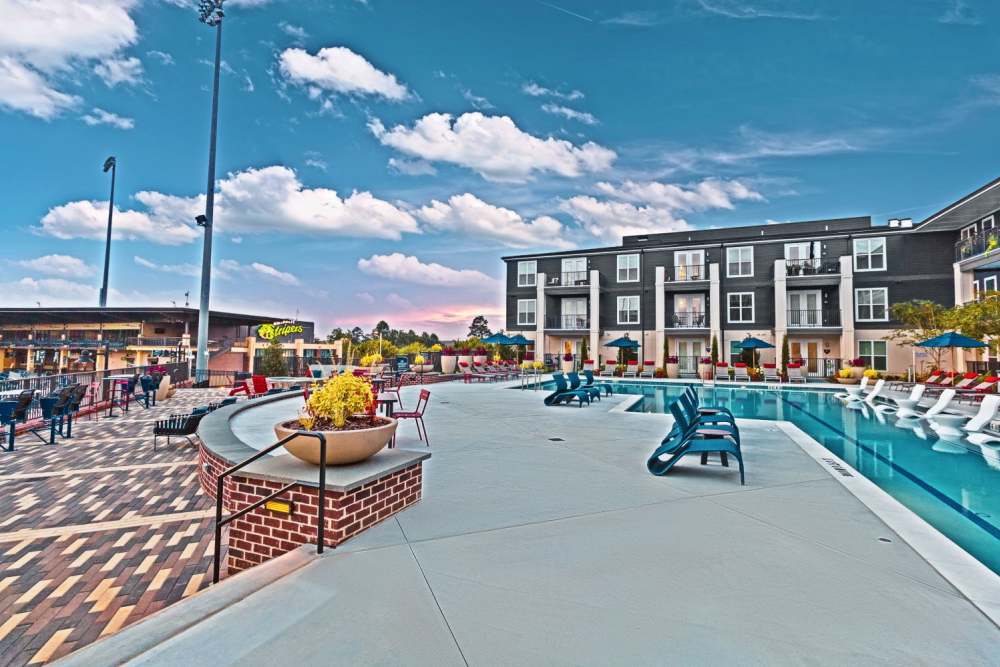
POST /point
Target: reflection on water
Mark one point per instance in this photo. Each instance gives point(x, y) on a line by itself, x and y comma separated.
point(952, 484)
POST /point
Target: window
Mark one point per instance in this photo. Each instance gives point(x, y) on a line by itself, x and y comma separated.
point(968, 232)
point(690, 265)
point(875, 354)
point(869, 254)
point(740, 306)
point(990, 285)
point(801, 257)
point(574, 271)
point(526, 272)
point(871, 304)
point(975, 290)
point(628, 310)
point(739, 262)
point(628, 268)
point(526, 311)
point(989, 223)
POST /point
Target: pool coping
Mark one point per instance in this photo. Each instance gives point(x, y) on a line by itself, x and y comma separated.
point(976, 582)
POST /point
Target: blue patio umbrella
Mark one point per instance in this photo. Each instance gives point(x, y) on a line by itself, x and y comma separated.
point(497, 339)
point(755, 344)
point(623, 342)
point(951, 339)
point(518, 340)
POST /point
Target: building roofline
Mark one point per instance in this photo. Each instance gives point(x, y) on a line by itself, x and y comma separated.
point(959, 203)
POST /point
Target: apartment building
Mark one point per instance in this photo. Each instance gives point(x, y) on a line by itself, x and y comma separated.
point(826, 285)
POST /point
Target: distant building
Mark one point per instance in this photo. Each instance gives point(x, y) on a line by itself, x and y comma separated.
point(51, 340)
point(826, 285)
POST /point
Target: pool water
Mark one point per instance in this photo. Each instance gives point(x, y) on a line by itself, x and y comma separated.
point(954, 486)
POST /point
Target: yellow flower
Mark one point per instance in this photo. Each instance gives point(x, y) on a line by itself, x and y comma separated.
point(339, 398)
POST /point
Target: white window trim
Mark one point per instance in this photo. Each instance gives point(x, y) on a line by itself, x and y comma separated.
point(533, 274)
point(638, 309)
point(857, 304)
point(753, 307)
point(533, 312)
point(990, 279)
point(991, 219)
point(975, 290)
point(873, 355)
point(968, 232)
point(638, 268)
point(729, 263)
point(885, 254)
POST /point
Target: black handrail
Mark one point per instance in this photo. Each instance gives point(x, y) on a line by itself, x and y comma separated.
point(320, 513)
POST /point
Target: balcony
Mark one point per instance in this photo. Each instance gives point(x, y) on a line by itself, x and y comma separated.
point(567, 323)
point(686, 277)
point(814, 319)
point(813, 271)
point(158, 342)
point(986, 242)
point(569, 281)
point(688, 320)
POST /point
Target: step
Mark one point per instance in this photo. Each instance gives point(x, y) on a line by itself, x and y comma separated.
point(150, 632)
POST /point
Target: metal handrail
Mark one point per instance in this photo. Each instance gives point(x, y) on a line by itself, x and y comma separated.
point(320, 512)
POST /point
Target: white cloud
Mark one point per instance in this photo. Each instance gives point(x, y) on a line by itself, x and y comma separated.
point(408, 268)
point(23, 89)
point(493, 146)
point(611, 220)
point(397, 301)
point(294, 31)
point(412, 167)
point(50, 292)
point(120, 70)
point(316, 163)
point(762, 9)
point(164, 57)
point(710, 193)
point(958, 13)
point(269, 271)
point(64, 266)
point(339, 70)
point(572, 114)
point(477, 101)
point(470, 216)
point(40, 41)
point(535, 90)
point(635, 19)
point(266, 200)
point(179, 269)
point(365, 297)
point(98, 116)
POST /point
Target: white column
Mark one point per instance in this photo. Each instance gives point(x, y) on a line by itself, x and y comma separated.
point(595, 314)
point(847, 347)
point(540, 317)
point(661, 314)
point(963, 294)
point(715, 307)
point(780, 306)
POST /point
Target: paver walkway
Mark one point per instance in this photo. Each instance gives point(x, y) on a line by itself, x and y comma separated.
point(98, 531)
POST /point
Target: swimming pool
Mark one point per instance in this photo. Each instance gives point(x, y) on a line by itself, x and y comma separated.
point(954, 486)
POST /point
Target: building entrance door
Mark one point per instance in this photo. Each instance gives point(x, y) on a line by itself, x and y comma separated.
point(688, 353)
point(809, 351)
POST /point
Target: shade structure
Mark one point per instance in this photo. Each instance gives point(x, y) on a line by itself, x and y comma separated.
point(755, 344)
point(623, 342)
point(951, 339)
point(497, 339)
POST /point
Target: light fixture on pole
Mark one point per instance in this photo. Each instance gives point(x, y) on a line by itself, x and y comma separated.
point(209, 13)
point(112, 164)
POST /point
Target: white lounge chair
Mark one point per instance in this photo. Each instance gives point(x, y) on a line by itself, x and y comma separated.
point(740, 374)
point(796, 374)
point(609, 369)
point(771, 374)
point(873, 394)
point(722, 372)
point(852, 394)
point(942, 403)
point(631, 370)
point(977, 425)
point(905, 406)
point(648, 371)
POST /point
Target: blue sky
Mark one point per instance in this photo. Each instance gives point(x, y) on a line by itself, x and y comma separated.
point(376, 159)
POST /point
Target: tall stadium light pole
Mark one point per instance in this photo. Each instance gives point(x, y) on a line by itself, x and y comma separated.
point(209, 13)
point(112, 164)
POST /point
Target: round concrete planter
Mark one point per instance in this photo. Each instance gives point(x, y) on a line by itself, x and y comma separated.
point(705, 371)
point(673, 370)
point(448, 364)
point(342, 447)
point(566, 366)
point(423, 368)
point(850, 380)
point(858, 371)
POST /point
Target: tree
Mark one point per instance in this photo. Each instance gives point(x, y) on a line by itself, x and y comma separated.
point(666, 351)
point(357, 335)
point(784, 355)
point(921, 319)
point(272, 362)
point(479, 327)
point(980, 319)
point(584, 350)
point(715, 350)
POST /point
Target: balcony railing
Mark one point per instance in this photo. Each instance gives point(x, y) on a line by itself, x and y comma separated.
point(689, 320)
point(688, 272)
point(811, 267)
point(156, 341)
point(569, 279)
point(804, 319)
point(59, 342)
point(985, 242)
point(568, 322)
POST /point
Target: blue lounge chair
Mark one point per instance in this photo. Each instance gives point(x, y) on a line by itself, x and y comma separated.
point(574, 384)
point(690, 400)
point(563, 394)
point(606, 386)
point(692, 438)
point(694, 419)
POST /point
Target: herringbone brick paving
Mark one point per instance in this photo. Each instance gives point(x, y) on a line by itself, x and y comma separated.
point(99, 532)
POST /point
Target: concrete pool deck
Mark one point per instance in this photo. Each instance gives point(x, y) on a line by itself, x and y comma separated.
point(541, 538)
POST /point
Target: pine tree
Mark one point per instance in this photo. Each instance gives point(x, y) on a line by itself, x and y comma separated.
point(784, 356)
point(715, 350)
point(584, 350)
point(666, 351)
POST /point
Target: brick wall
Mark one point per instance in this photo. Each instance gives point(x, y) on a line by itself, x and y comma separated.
point(263, 534)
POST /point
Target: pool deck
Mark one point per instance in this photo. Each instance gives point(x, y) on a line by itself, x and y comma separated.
point(541, 539)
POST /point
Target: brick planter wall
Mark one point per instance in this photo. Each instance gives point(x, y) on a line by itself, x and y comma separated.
point(263, 534)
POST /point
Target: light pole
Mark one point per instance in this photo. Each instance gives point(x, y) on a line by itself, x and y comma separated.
point(112, 164)
point(209, 13)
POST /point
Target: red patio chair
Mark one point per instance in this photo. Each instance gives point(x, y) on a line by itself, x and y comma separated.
point(259, 385)
point(417, 415)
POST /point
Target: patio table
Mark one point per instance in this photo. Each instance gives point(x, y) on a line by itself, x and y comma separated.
point(388, 402)
point(115, 388)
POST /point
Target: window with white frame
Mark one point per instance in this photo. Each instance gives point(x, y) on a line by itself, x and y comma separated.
point(990, 285)
point(628, 268)
point(975, 290)
point(526, 272)
point(526, 312)
point(628, 310)
point(740, 306)
point(989, 223)
point(871, 304)
point(739, 262)
point(869, 254)
point(875, 354)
